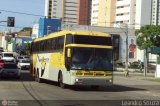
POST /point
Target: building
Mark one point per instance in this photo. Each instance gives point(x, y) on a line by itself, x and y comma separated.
point(1, 39)
point(134, 13)
point(155, 12)
point(35, 31)
point(125, 12)
point(70, 11)
point(103, 12)
point(143, 13)
point(18, 44)
point(53, 8)
point(47, 25)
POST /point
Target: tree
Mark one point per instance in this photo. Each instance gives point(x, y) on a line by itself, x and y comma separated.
point(27, 48)
point(147, 36)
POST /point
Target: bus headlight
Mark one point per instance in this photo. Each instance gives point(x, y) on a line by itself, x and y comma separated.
point(78, 80)
point(110, 80)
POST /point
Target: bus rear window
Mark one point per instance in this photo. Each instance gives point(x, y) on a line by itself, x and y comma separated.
point(92, 40)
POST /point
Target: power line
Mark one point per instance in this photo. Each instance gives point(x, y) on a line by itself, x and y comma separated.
point(22, 13)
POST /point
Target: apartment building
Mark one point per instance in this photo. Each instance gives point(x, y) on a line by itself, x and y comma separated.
point(53, 8)
point(103, 13)
point(143, 13)
point(125, 12)
point(155, 12)
point(70, 11)
point(133, 13)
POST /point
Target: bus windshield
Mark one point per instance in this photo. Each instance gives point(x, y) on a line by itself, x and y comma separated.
point(95, 59)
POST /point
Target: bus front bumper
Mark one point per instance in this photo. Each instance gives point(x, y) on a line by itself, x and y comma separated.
point(91, 81)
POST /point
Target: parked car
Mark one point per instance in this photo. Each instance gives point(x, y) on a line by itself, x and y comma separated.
point(1, 63)
point(1, 49)
point(8, 57)
point(19, 58)
point(26, 57)
point(10, 70)
point(24, 64)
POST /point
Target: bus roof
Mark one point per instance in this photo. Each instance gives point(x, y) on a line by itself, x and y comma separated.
point(74, 32)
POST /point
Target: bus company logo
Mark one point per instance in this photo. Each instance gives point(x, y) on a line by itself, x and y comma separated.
point(4, 102)
point(43, 65)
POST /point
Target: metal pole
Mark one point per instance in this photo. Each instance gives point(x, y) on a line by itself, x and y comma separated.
point(126, 66)
point(145, 62)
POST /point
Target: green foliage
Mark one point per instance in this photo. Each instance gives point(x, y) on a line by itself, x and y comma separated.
point(147, 36)
point(27, 47)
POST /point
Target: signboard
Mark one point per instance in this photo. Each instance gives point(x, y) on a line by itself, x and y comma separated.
point(131, 47)
point(154, 50)
point(18, 47)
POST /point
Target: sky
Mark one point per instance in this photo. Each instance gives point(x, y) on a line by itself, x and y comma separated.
point(35, 7)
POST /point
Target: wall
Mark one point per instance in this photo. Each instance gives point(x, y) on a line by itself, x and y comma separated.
point(19, 43)
point(47, 26)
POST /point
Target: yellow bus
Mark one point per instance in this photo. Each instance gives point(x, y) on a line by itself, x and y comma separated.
point(73, 58)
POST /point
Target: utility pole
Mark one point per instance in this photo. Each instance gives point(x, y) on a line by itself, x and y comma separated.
point(145, 62)
point(126, 65)
point(126, 61)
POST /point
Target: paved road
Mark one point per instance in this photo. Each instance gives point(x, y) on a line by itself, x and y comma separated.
point(42, 93)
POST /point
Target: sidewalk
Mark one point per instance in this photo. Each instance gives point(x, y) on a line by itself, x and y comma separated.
point(134, 78)
point(134, 75)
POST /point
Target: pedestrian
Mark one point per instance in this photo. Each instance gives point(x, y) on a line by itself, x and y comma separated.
point(141, 65)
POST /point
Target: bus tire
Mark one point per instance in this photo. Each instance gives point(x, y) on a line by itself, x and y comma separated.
point(60, 81)
point(37, 77)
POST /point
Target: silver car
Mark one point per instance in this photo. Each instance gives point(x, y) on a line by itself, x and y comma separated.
point(10, 70)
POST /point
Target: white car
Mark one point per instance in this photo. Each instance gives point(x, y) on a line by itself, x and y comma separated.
point(24, 64)
point(8, 57)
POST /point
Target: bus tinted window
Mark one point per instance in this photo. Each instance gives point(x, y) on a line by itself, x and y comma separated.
point(69, 39)
point(93, 40)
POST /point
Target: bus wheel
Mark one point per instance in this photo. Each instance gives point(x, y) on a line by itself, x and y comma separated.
point(37, 77)
point(61, 84)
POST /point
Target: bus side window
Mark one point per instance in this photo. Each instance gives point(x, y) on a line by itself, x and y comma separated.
point(69, 38)
point(38, 46)
point(49, 44)
point(53, 44)
point(42, 45)
point(45, 45)
point(56, 44)
point(61, 42)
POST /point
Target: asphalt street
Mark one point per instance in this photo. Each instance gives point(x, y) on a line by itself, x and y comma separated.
point(26, 91)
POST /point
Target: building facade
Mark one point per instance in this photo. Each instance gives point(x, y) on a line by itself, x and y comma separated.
point(125, 12)
point(155, 12)
point(143, 13)
point(47, 26)
point(134, 13)
point(35, 31)
point(103, 12)
point(70, 11)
